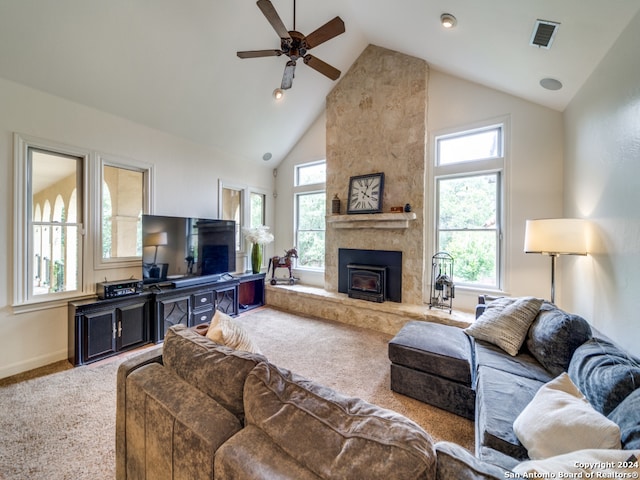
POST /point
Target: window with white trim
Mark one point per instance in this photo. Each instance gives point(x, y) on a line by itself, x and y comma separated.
point(49, 220)
point(469, 185)
point(310, 200)
point(69, 219)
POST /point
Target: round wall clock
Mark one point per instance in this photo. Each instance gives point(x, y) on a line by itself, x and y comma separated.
point(365, 193)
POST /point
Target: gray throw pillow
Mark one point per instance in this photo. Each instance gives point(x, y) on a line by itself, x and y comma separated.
point(554, 336)
point(604, 373)
point(505, 322)
point(627, 416)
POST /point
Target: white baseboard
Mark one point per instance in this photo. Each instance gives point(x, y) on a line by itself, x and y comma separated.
point(32, 363)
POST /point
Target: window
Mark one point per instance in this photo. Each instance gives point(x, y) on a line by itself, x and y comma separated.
point(469, 178)
point(50, 193)
point(60, 190)
point(310, 210)
point(257, 209)
point(231, 206)
point(124, 195)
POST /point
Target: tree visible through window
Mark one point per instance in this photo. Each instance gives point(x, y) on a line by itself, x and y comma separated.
point(468, 179)
point(467, 226)
point(310, 205)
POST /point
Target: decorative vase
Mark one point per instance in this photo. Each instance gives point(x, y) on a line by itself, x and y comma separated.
point(256, 258)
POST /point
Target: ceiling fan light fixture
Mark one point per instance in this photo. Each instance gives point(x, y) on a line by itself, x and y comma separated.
point(448, 20)
point(278, 93)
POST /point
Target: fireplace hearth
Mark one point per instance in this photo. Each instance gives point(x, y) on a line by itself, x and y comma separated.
point(370, 265)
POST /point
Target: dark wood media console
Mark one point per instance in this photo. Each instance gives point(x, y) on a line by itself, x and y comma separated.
point(101, 328)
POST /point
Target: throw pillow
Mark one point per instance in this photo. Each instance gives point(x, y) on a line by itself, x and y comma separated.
point(225, 331)
point(505, 322)
point(560, 420)
point(584, 464)
point(604, 373)
point(554, 336)
point(627, 416)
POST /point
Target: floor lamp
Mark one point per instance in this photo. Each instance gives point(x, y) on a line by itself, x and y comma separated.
point(553, 237)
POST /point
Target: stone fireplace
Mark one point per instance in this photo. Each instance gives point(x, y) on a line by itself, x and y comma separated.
point(377, 122)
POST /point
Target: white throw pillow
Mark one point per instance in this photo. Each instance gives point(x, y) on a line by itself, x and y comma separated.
point(505, 322)
point(580, 464)
point(225, 331)
point(559, 420)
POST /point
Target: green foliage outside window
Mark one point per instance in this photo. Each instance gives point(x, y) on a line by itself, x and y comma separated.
point(311, 220)
point(467, 226)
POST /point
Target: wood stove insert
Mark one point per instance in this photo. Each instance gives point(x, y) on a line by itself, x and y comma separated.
point(367, 282)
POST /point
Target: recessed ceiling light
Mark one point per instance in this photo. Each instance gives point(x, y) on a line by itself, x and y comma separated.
point(551, 84)
point(448, 20)
point(278, 93)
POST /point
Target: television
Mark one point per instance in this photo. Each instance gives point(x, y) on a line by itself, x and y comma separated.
point(187, 251)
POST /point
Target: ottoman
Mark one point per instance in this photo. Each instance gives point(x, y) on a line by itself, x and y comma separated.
point(433, 363)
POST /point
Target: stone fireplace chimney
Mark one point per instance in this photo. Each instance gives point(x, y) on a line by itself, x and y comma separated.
point(377, 122)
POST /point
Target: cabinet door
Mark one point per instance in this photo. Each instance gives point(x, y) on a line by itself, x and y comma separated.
point(100, 338)
point(226, 300)
point(172, 312)
point(132, 325)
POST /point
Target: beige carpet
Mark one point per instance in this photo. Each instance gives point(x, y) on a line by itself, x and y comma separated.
point(59, 423)
point(350, 360)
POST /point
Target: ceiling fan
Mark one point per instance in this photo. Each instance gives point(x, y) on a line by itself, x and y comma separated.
point(295, 45)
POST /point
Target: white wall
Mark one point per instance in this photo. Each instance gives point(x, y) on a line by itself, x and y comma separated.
point(602, 183)
point(311, 147)
point(534, 172)
point(186, 183)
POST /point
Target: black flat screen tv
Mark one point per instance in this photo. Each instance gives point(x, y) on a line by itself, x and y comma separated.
point(183, 250)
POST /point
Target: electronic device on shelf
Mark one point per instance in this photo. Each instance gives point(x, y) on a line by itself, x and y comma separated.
point(185, 251)
point(119, 288)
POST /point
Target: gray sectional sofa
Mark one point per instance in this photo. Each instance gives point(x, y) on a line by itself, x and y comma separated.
point(195, 409)
point(495, 387)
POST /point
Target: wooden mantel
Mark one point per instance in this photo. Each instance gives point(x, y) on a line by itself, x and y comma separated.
point(400, 220)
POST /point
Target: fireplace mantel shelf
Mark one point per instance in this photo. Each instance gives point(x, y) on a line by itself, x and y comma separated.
point(372, 220)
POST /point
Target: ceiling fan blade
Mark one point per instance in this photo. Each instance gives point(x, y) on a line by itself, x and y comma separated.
point(269, 11)
point(322, 67)
point(287, 78)
point(259, 53)
point(331, 29)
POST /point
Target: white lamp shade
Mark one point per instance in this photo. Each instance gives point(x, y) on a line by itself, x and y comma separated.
point(562, 236)
point(155, 239)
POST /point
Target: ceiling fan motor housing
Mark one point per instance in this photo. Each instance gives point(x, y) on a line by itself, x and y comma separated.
point(294, 47)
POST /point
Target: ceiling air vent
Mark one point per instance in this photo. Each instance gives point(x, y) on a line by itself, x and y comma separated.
point(543, 33)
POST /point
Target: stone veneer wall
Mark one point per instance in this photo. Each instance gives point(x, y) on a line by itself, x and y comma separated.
point(377, 122)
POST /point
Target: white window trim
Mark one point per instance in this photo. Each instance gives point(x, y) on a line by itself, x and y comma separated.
point(469, 168)
point(21, 237)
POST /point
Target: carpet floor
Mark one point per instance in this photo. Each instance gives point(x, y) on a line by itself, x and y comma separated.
point(60, 422)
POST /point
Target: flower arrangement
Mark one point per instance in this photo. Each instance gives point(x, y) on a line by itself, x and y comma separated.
point(259, 235)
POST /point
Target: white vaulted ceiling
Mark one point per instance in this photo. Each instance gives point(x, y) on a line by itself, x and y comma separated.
point(172, 64)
